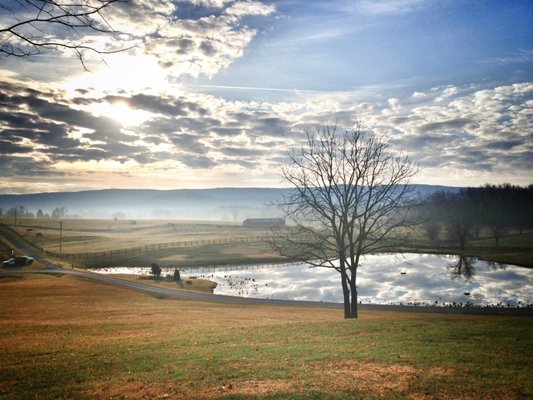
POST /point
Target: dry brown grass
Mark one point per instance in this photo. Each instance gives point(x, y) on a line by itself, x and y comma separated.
point(79, 235)
point(65, 337)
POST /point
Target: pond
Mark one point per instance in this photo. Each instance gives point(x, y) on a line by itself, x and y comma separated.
point(409, 279)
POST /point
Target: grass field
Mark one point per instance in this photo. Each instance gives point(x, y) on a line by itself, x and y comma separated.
point(82, 236)
point(79, 235)
point(61, 337)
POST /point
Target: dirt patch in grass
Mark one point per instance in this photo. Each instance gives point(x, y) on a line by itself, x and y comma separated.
point(349, 376)
point(246, 388)
point(133, 389)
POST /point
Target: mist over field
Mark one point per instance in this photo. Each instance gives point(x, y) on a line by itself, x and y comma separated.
point(223, 204)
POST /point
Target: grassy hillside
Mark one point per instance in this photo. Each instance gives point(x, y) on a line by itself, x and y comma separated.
point(66, 338)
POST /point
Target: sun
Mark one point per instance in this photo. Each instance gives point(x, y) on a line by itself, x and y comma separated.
point(121, 112)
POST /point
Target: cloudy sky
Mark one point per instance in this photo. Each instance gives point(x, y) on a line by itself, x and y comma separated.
point(214, 93)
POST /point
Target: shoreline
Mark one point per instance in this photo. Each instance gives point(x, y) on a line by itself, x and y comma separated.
point(183, 294)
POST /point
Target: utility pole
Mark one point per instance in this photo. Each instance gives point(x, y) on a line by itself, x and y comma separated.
point(60, 237)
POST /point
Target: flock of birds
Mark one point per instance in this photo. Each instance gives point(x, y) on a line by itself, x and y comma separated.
point(245, 286)
point(459, 304)
point(239, 285)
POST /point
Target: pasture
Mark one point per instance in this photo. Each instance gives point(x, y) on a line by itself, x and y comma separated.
point(142, 242)
point(63, 337)
point(197, 243)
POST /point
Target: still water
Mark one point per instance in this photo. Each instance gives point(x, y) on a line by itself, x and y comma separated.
point(422, 279)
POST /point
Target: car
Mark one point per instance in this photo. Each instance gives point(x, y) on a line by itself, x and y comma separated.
point(8, 263)
point(17, 261)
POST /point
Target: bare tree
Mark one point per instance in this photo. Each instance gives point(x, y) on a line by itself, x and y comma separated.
point(350, 194)
point(31, 27)
point(464, 267)
point(432, 230)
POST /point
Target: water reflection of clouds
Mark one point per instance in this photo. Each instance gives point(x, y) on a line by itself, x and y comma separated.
point(383, 279)
point(392, 279)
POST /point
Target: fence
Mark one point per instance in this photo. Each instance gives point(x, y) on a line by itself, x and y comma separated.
point(233, 267)
point(154, 247)
point(393, 246)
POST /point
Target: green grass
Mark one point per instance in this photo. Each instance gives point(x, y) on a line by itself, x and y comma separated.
point(212, 254)
point(80, 236)
point(68, 338)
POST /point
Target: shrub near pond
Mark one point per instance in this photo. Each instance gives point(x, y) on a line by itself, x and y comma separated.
point(156, 270)
point(177, 276)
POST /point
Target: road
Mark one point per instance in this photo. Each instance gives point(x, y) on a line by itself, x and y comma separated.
point(54, 269)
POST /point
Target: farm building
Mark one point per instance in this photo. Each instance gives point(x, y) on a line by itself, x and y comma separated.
point(264, 223)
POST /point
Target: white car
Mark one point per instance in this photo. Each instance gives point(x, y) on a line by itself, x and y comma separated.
point(22, 260)
point(8, 263)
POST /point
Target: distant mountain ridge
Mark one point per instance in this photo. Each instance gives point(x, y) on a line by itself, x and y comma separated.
point(209, 204)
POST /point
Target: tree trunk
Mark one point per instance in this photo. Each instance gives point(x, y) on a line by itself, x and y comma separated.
point(346, 294)
point(353, 290)
point(349, 291)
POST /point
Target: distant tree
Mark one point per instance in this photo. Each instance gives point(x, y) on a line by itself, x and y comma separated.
point(349, 197)
point(459, 228)
point(177, 276)
point(454, 212)
point(156, 270)
point(31, 27)
point(432, 229)
point(40, 213)
point(492, 208)
point(59, 212)
point(524, 217)
point(11, 212)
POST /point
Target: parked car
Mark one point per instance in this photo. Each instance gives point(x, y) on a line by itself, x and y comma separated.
point(17, 261)
point(8, 263)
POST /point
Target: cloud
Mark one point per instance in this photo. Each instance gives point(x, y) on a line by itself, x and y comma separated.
point(418, 95)
point(383, 7)
point(520, 56)
point(188, 45)
point(26, 166)
point(244, 8)
point(446, 125)
point(50, 128)
point(476, 132)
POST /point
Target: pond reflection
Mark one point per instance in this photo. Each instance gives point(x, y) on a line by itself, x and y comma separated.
point(416, 279)
point(411, 279)
point(464, 267)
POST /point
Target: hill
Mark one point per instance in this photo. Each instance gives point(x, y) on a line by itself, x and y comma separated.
point(203, 204)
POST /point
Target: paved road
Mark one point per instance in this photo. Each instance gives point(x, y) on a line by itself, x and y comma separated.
point(18, 242)
point(158, 291)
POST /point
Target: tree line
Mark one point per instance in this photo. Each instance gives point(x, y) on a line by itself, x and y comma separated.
point(462, 216)
point(18, 212)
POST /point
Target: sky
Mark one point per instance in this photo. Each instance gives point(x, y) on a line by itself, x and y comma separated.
point(215, 93)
